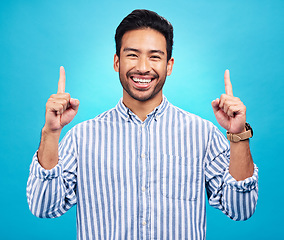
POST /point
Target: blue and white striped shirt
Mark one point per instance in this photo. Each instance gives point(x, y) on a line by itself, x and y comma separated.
point(141, 180)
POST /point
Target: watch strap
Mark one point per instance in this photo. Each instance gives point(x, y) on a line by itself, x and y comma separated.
point(239, 137)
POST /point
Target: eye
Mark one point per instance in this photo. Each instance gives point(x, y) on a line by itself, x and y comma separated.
point(156, 57)
point(131, 55)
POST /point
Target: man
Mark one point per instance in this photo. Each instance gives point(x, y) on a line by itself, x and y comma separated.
point(140, 170)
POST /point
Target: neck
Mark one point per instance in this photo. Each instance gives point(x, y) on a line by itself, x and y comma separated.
point(142, 109)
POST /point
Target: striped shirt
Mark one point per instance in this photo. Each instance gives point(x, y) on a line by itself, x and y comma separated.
point(141, 180)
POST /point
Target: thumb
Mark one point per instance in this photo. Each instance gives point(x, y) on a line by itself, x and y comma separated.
point(74, 104)
point(215, 105)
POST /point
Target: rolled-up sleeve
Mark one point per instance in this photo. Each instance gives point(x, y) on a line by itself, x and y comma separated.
point(237, 199)
point(50, 193)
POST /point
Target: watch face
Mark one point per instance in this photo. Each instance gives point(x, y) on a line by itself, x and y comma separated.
point(248, 127)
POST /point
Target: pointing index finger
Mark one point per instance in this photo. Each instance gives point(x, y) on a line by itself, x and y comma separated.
point(61, 82)
point(228, 84)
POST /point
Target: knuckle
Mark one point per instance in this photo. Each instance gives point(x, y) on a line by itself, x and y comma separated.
point(65, 103)
point(49, 102)
point(58, 108)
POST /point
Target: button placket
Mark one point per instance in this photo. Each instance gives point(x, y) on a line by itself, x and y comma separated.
point(144, 211)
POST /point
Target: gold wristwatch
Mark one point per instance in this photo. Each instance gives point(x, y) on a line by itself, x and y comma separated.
point(241, 136)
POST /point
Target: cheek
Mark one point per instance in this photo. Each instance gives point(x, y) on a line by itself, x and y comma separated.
point(163, 70)
point(158, 66)
point(126, 66)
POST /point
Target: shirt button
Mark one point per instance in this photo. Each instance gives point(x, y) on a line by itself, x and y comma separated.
point(143, 189)
point(143, 155)
point(143, 125)
point(144, 223)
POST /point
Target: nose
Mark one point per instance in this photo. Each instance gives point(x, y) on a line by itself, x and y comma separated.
point(143, 65)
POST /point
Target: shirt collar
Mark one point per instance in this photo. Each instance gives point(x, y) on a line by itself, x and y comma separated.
point(127, 114)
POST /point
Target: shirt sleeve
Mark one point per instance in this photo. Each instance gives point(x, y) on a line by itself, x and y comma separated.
point(237, 199)
point(50, 193)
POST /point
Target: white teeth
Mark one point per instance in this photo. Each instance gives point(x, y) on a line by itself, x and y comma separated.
point(141, 80)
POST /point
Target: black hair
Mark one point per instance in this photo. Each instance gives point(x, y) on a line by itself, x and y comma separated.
point(140, 19)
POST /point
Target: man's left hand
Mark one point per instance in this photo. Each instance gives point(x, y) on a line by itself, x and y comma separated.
point(229, 111)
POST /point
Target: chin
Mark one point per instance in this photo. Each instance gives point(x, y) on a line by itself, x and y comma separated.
point(142, 97)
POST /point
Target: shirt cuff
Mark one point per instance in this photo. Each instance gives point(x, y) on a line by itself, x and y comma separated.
point(241, 186)
point(37, 170)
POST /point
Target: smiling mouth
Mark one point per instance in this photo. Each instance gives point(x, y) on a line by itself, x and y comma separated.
point(142, 80)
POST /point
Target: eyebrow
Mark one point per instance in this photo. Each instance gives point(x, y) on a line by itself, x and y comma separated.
point(136, 50)
point(130, 49)
point(157, 51)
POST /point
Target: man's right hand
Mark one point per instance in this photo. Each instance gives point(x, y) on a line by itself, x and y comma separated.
point(60, 110)
point(60, 107)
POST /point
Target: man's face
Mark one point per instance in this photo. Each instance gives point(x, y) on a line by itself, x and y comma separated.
point(143, 64)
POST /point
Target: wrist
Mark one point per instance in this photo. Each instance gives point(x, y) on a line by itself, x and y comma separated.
point(242, 136)
point(47, 131)
point(244, 130)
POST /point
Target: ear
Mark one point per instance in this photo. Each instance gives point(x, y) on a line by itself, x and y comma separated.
point(170, 66)
point(116, 63)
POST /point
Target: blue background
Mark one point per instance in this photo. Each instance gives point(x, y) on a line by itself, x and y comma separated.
point(37, 37)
